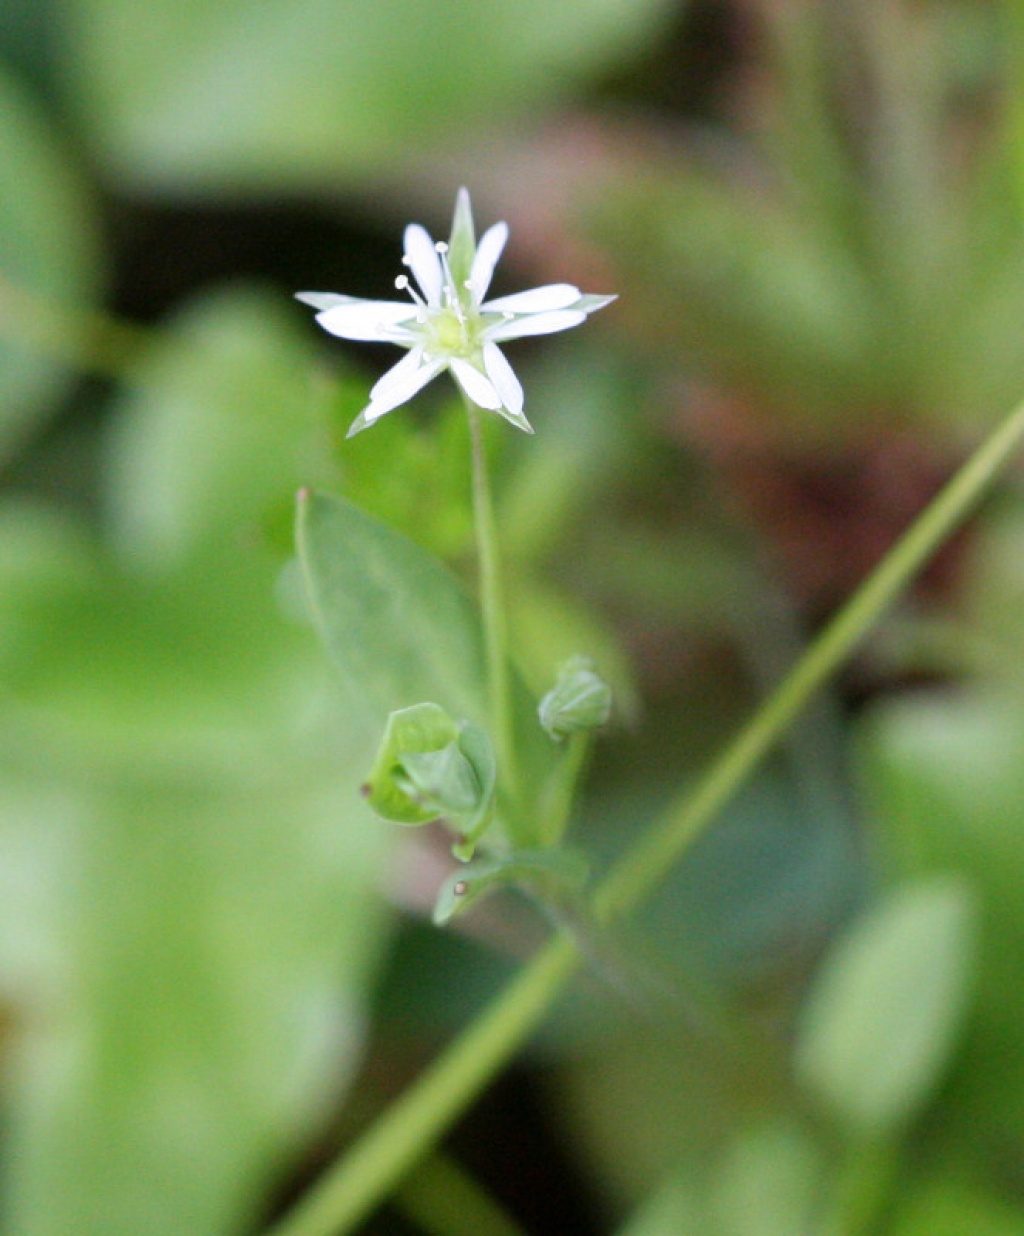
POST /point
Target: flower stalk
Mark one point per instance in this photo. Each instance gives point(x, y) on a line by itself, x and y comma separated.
point(492, 605)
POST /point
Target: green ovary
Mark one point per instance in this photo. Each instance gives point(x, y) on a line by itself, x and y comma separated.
point(450, 335)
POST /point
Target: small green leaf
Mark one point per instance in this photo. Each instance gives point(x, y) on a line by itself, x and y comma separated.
point(444, 779)
point(885, 1012)
point(553, 877)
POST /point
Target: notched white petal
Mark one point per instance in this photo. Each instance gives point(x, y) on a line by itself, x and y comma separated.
point(489, 250)
point(536, 300)
point(535, 324)
point(503, 379)
point(424, 262)
point(478, 387)
point(371, 321)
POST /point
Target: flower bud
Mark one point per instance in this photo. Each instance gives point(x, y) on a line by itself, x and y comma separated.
point(579, 701)
point(430, 767)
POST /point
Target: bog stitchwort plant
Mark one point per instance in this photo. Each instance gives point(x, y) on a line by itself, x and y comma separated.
point(431, 765)
point(465, 769)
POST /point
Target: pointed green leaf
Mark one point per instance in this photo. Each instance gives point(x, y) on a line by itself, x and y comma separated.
point(553, 876)
point(399, 627)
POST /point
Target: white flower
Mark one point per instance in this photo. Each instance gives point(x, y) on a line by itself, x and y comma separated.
point(447, 324)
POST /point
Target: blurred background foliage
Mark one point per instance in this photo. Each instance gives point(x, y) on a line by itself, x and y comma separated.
point(213, 964)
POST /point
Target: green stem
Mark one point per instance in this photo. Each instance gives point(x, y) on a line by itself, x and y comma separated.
point(492, 604)
point(361, 1180)
point(441, 1197)
point(862, 1185)
point(667, 839)
point(556, 804)
point(369, 1171)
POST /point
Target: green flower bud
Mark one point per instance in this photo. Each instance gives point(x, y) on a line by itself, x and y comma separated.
point(579, 701)
point(430, 767)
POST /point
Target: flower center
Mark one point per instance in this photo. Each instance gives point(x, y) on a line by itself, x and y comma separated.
point(448, 332)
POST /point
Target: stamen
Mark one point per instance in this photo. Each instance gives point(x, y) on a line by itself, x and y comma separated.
point(451, 296)
point(404, 284)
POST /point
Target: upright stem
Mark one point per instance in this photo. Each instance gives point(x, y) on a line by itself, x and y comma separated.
point(492, 603)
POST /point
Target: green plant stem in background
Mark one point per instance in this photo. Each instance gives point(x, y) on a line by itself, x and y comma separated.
point(365, 1176)
point(492, 605)
point(860, 1189)
point(443, 1199)
point(90, 341)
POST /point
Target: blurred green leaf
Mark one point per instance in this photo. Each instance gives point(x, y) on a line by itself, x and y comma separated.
point(191, 920)
point(199, 96)
point(760, 301)
point(217, 429)
point(884, 1013)
point(946, 780)
point(200, 955)
point(768, 1183)
point(951, 1207)
point(49, 253)
point(670, 1210)
point(414, 479)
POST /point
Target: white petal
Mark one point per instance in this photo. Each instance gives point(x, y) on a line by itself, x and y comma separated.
point(486, 258)
point(402, 381)
point(476, 386)
point(396, 387)
point(535, 324)
point(424, 262)
point(536, 300)
point(366, 320)
point(503, 378)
